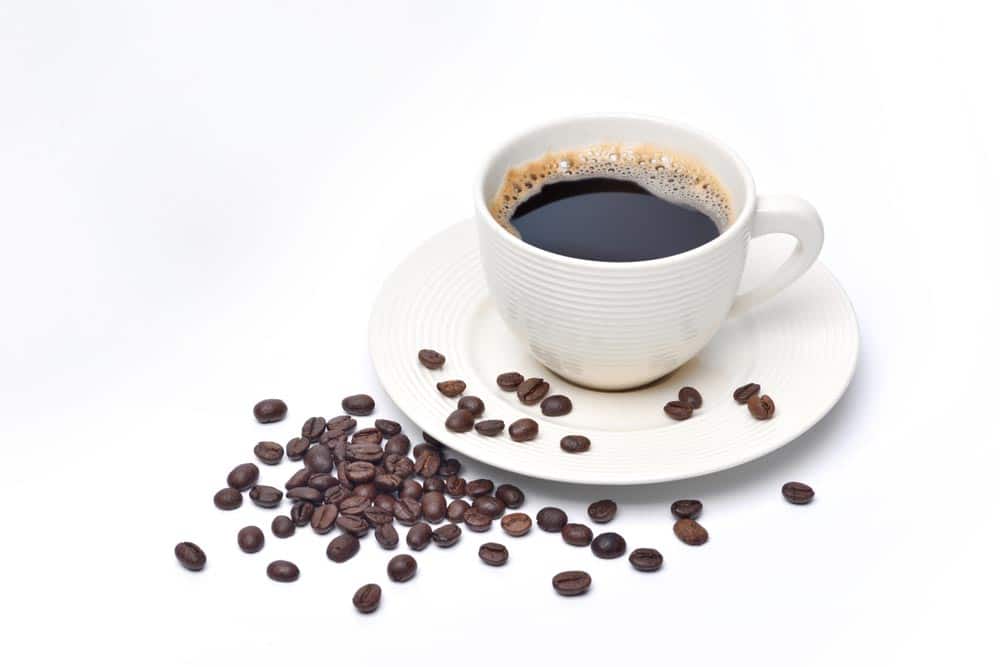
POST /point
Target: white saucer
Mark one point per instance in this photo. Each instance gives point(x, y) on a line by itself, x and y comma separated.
point(801, 347)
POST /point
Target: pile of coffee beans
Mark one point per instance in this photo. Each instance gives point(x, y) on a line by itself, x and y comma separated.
point(688, 400)
point(761, 406)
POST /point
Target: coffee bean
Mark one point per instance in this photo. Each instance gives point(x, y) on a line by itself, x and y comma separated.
point(646, 560)
point(490, 427)
point(354, 505)
point(355, 525)
point(761, 407)
point(577, 534)
point(431, 359)
point(228, 499)
point(402, 567)
point(190, 556)
point(398, 444)
point(551, 519)
point(367, 436)
point(270, 410)
point(387, 483)
point(424, 448)
point(678, 410)
point(456, 510)
point(411, 488)
point(575, 444)
point(407, 511)
point(360, 472)
point(342, 548)
point(322, 481)
point(571, 582)
point(433, 505)
point(386, 536)
point(435, 484)
point(477, 520)
point(797, 493)
point(460, 421)
point(367, 598)
point(511, 496)
point(333, 442)
point(387, 427)
point(556, 405)
point(243, 476)
point(265, 496)
point(335, 494)
point(455, 486)
point(428, 463)
point(691, 396)
point(479, 487)
point(358, 404)
point(366, 491)
point(447, 535)
point(364, 451)
point(318, 459)
point(283, 571)
point(473, 404)
point(299, 478)
point(341, 425)
point(509, 381)
point(690, 532)
point(493, 553)
point(516, 524)
point(386, 502)
point(451, 388)
point(282, 526)
point(450, 467)
point(401, 467)
point(313, 427)
point(270, 453)
point(532, 390)
point(686, 509)
point(376, 516)
point(490, 506)
point(297, 447)
point(523, 430)
point(743, 394)
point(301, 513)
point(306, 493)
point(602, 511)
point(419, 536)
point(608, 545)
point(323, 518)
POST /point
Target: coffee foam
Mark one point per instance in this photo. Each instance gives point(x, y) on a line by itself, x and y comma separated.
point(675, 178)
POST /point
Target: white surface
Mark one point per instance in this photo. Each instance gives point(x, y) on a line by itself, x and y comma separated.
point(801, 346)
point(200, 200)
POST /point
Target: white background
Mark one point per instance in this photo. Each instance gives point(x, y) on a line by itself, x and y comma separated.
point(199, 201)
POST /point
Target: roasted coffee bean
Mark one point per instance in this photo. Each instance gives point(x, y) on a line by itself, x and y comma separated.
point(398, 444)
point(342, 548)
point(265, 496)
point(228, 499)
point(306, 493)
point(743, 394)
point(407, 511)
point(385, 501)
point(490, 506)
point(797, 493)
point(435, 484)
point(411, 488)
point(678, 410)
point(419, 536)
point(322, 481)
point(571, 582)
point(431, 359)
point(386, 536)
point(434, 506)
point(341, 425)
point(510, 381)
point(686, 509)
point(270, 453)
point(366, 436)
point(270, 410)
point(386, 482)
point(577, 534)
point(575, 444)
point(376, 516)
point(355, 525)
point(447, 535)
point(455, 487)
point(401, 567)
point(551, 519)
point(646, 560)
point(387, 427)
point(493, 553)
point(511, 496)
point(456, 510)
point(556, 405)
point(318, 459)
point(335, 494)
point(473, 404)
point(283, 570)
point(479, 487)
point(761, 407)
point(358, 404)
point(602, 511)
point(691, 396)
point(297, 447)
point(250, 539)
point(323, 518)
point(282, 526)
point(423, 448)
point(460, 421)
point(313, 427)
point(190, 556)
point(339, 451)
point(354, 505)
point(400, 466)
point(301, 513)
point(516, 524)
point(451, 388)
point(331, 440)
point(243, 476)
point(690, 532)
point(523, 430)
point(532, 390)
point(299, 478)
point(449, 467)
point(490, 427)
point(477, 520)
point(428, 463)
point(360, 472)
point(608, 545)
point(367, 598)
point(364, 451)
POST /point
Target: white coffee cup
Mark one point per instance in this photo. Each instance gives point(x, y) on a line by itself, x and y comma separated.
point(618, 325)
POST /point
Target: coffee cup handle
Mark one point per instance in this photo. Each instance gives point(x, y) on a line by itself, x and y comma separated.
point(783, 214)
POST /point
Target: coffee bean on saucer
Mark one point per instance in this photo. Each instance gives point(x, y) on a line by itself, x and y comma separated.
point(690, 532)
point(477, 520)
point(608, 545)
point(386, 536)
point(575, 444)
point(296, 448)
point(551, 519)
point(313, 427)
point(243, 476)
point(577, 534)
point(761, 407)
point(602, 511)
point(358, 404)
point(431, 359)
point(460, 421)
point(743, 394)
point(473, 404)
point(556, 405)
point(678, 410)
point(270, 410)
point(493, 553)
point(265, 496)
point(490, 506)
point(451, 388)
point(454, 486)
point(532, 390)
point(797, 493)
point(402, 567)
point(490, 427)
point(516, 525)
point(283, 570)
point(398, 444)
point(447, 535)
point(686, 509)
point(324, 518)
point(341, 425)
point(646, 560)
point(571, 582)
point(190, 556)
point(301, 513)
point(691, 396)
point(282, 526)
point(479, 487)
point(523, 430)
point(228, 499)
point(511, 496)
point(270, 453)
point(457, 509)
point(509, 381)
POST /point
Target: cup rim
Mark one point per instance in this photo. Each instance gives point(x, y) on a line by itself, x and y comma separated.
point(741, 220)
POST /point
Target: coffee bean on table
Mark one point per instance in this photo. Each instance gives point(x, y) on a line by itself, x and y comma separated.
point(516, 525)
point(398, 444)
point(342, 548)
point(358, 404)
point(761, 407)
point(575, 444)
point(313, 427)
point(407, 511)
point(318, 459)
point(479, 487)
point(387, 427)
point(324, 518)
point(376, 516)
point(797, 493)
point(455, 486)
point(571, 582)
point(265, 496)
point(355, 525)
point(473, 404)
point(431, 359)
point(243, 476)
point(532, 390)
point(491, 506)
point(428, 463)
point(678, 410)
point(368, 436)
point(449, 467)
point(556, 405)
point(523, 430)
point(743, 394)
point(299, 478)
point(577, 534)
point(411, 488)
point(270, 410)
point(306, 493)
point(690, 532)
point(301, 513)
point(296, 448)
point(401, 567)
point(270, 453)
point(511, 496)
point(608, 545)
point(490, 427)
point(366, 599)
point(509, 381)
point(283, 571)
point(434, 506)
point(646, 560)
point(477, 520)
point(460, 421)
point(435, 484)
point(602, 511)
point(551, 519)
point(385, 501)
point(686, 509)
point(691, 396)
point(341, 425)
point(190, 556)
point(447, 535)
point(354, 505)
point(360, 472)
point(419, 536)
point(282, 526)
point(386, 536)
point(364, 451)
point(321, 481)
point(335, 494)
point(493, 553)
point(456, 510)
point(451, 388)
point(228, 499)
point(366, 491)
